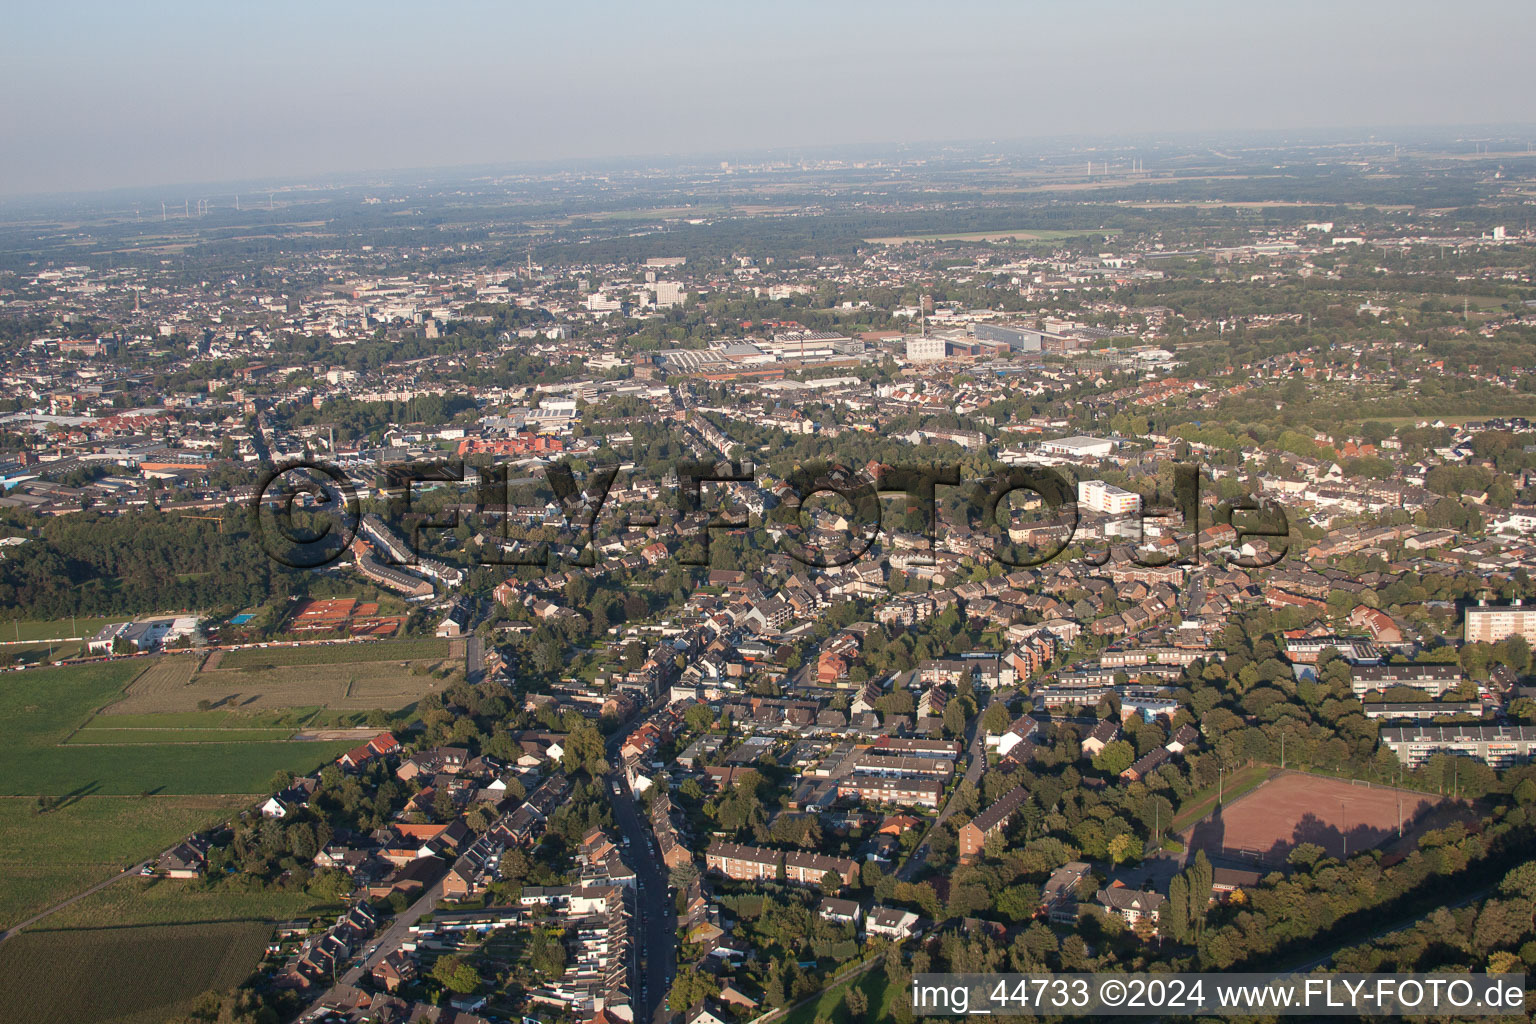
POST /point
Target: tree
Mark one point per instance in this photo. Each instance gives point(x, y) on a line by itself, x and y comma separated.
point(1525, 792)
point(689, 987)
point(1115, 758)
point(1514, 651)
point(996, 718)
point(1501, 923)
point(1175, 913)
point(954, 718)
point(547, 657)
point(1306, 855)
point(584, 750)
point(1018, 903)
point(546, 954)
point(742, 806)
point(1200, 876)
point(774, 993)
point(856, 1002)
point(456, 975)
point(1156, 814)
point(699, 717)
point(330, 885)
point(1122, 847)
point(1520, 881)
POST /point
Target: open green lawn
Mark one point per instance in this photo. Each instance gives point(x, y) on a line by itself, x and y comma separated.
point(47, 703)
point(53, 629)
point(95, 736)
point(47, 857)
point(291, 719)
point(335, 654)
point(136, 975)
point(283, 720)
point(34, 653)
point(830, 1003)
point(135, 768)
point(43, 708)
point(140, 901)
point(1408, 421)
point(142, 784)
point(142, 950)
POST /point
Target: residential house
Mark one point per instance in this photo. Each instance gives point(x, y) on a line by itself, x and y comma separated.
point(1136, 907)
point(974, 833)
point(891, 923)
point(1102, 736)
point(396, 969)
point(839, 910)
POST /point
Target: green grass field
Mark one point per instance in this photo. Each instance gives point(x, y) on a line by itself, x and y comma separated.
point(141, 901)
point(135, 975)
point(136, 768)
point(334, 654)
point(286, 720)
point(47, 857)
point(53, 629)
point(128, 786)
point(291, 720)
point(44, 707)
point(830, 1003)
point(41, 653)
point(92, 735)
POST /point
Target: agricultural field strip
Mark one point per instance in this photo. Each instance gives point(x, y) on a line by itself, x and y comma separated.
point(98, 975)
point(289, 678)
point(334, 654)
point(128, 737)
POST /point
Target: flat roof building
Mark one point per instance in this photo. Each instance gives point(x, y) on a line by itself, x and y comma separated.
point(1434, 680)
point(1489, 624)
point(1499, 746)
point(1078, 447)
point(1107, 498)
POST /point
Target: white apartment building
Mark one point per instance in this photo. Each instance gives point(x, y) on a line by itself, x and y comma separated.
point(1498, 746)
point(1491, 623)
point(1107, 498)
point(670, 293)
point(926, 350)
point(597, 302)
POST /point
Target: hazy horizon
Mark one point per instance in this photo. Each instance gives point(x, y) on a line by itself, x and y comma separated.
point(109, 97)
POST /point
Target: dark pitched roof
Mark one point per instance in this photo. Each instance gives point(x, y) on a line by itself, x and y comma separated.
point(1122, 898)
point(999, 813)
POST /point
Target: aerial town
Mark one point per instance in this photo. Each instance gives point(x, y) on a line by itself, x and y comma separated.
point(539, 597)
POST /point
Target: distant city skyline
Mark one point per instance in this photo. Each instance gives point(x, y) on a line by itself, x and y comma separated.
point(109, 96)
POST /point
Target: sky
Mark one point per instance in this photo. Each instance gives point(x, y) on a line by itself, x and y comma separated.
point(104, 95)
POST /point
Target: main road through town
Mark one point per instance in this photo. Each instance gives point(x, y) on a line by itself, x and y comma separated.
point(655, 921)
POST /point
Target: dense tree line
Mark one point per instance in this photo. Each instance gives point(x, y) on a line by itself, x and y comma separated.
point(91, 563)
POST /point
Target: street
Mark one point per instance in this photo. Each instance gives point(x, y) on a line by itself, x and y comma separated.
point(474, 659)
point(655, 914)
point(976, 764)
point(383, 943)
